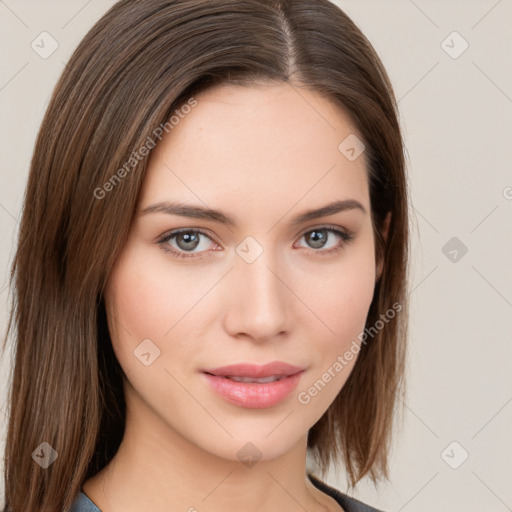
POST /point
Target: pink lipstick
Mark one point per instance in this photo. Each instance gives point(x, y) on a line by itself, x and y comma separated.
point(253, 386)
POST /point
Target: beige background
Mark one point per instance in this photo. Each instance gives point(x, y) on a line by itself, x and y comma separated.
point(457, 120)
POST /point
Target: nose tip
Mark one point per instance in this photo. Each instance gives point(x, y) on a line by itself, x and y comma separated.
point(258, 303)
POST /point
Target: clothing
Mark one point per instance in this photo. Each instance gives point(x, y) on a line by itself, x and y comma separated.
point(84, 504)
point(347, 503)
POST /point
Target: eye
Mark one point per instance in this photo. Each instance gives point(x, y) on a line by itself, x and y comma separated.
point(183, 243)
point(186, 240)
point(318, 238)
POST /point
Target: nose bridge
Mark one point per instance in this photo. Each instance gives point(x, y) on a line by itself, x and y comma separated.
point(259, 303)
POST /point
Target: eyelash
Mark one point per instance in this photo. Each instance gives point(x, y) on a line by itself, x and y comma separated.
point(346, 237)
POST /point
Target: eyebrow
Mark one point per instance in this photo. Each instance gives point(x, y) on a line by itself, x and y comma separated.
point(199, 212)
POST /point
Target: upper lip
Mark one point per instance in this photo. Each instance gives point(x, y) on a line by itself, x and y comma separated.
point(255, 371)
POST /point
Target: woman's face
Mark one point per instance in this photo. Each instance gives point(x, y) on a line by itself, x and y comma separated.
point(268, 287)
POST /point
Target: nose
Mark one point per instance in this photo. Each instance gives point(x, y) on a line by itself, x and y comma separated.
point(259, 303)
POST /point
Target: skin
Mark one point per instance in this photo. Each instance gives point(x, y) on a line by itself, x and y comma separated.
point(262, 154)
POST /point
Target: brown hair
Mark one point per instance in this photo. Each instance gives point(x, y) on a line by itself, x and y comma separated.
point(133, 69)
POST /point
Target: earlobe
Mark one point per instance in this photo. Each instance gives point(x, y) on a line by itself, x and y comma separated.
point(385, 231)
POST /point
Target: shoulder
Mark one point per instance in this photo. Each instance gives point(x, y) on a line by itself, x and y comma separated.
point(82, 503)
point(349, 504)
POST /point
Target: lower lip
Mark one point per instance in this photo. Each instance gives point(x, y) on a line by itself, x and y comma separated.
point(253, 395)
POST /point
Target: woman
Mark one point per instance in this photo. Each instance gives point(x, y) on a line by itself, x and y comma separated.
point(210, 276)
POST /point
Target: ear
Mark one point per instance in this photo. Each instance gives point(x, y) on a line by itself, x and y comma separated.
point(385, 231)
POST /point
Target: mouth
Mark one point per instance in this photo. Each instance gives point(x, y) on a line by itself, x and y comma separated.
point(252, 386)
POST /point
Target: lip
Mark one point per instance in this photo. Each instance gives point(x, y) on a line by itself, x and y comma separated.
point(255, 371)
point(253, 395)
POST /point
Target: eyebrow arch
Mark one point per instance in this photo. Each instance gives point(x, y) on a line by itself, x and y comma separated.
point(199, 212)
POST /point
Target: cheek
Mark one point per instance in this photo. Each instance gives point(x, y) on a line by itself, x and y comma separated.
point(341, 302)
point(144, 304)
point(341, 294)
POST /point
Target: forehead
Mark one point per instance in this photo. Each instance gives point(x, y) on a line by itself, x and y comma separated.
point(257, 146)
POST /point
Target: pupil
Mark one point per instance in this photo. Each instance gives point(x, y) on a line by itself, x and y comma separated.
point(188, 238)
point(318, 238)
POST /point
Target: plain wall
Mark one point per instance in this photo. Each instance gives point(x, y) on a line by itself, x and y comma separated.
point(456, 113)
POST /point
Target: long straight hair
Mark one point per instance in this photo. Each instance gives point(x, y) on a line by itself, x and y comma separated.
point(137, 65)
